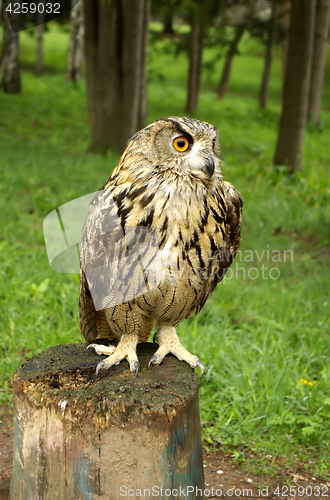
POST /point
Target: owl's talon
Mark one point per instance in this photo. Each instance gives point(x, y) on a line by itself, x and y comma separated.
point(135, 366)
point(90, 346)
point(153, 358)
point(102, 364)
point(200, 364)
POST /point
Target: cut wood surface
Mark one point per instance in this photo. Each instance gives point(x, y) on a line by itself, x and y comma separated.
point(82, 436)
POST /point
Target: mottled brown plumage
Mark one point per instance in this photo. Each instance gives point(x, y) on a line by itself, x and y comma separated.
point(159, 236)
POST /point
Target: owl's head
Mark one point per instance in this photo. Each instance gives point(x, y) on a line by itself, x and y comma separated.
point(177, 145)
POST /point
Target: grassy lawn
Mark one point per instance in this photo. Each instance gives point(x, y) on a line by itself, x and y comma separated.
point(264, 335)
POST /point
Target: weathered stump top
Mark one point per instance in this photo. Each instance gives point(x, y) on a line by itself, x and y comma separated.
point(64, 376)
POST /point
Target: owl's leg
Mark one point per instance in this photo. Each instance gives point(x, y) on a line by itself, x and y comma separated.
point(169, 342)
point(126, 349)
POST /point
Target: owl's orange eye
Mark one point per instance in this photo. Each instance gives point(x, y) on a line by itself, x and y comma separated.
point(181, 143)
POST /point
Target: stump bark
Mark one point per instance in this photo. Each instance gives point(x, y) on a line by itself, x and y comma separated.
point(78, 436)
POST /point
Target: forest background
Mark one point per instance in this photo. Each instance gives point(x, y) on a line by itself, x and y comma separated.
point(259, 71)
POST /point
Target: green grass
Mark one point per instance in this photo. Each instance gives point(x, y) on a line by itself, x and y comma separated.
point(265, 342)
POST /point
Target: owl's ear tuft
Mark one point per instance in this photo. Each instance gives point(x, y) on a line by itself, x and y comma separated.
point(133, 137)
point(141, 131)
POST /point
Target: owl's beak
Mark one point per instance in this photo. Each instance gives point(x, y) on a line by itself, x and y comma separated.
point(209, 165)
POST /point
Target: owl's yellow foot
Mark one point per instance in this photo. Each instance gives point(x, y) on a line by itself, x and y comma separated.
point(126, 349)
point(169, 342)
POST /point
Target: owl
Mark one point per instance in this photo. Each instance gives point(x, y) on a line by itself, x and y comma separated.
point(158, 238)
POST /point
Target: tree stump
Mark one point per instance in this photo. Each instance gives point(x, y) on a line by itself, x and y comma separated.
point(78, 436)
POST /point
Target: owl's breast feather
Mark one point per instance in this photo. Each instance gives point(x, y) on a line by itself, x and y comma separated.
point(177, 223)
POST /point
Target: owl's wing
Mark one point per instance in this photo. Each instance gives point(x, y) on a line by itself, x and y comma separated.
point(114, 259)
point(93, 323)
point(225, 248)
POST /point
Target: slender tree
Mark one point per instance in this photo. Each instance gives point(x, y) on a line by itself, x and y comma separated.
point(115, 46)
point(232, 50)
point(268, 60)
point(322, 21)
point(201, 15)
point(285, 41)
point(11, 75)
point(168, 21)
point(40, 38)
point(295, 94)
point(75, 52)
point(143, 98)
point(164, 10)
point(195, 59)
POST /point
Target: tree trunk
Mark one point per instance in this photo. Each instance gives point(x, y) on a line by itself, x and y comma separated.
point(80, 436)
point(223, 84)
point(285, 42)
point(115, 45)
point(168, 22)
point(40, 35)
point(295, 95)
point(11, 74)
point(75, 52)
point(268, 62)
point(322, 21)
point(195, 63)
point(143, 100)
